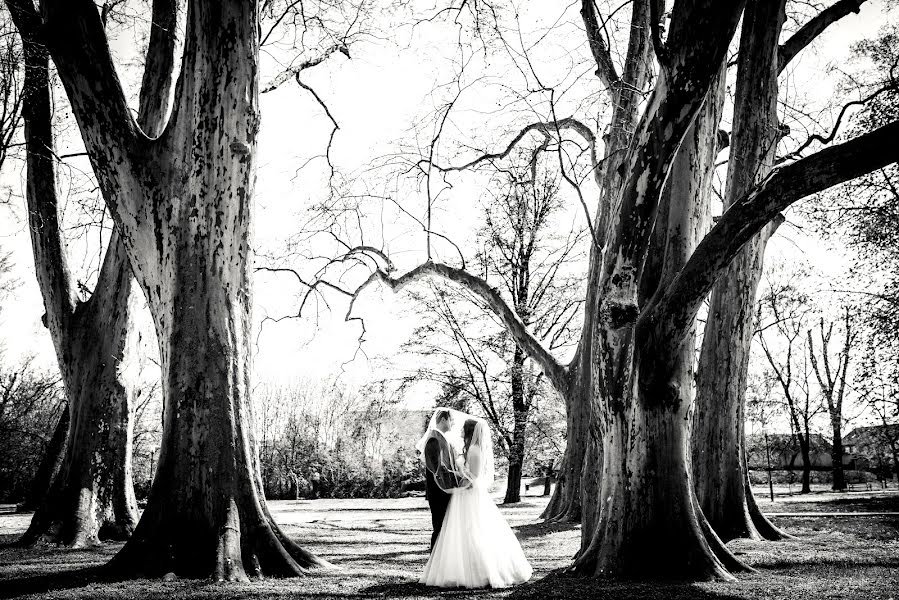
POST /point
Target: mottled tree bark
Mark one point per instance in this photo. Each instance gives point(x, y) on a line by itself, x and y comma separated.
point(718, 429)
point(582, 462)
point(50, 464)
point(718, 426)
point(90, 496)
point(647, 520)
point(182, 203)
point(565, 504)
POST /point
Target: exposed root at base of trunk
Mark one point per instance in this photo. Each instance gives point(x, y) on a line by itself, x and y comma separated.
point(565, 514)
point(702, 556)
point(765, 528)
point(722, 553)
point(49, 526)
point(245, 547)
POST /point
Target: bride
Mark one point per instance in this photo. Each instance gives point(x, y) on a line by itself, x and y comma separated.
point(476, 547)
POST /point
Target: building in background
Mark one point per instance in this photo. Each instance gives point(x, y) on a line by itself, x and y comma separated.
point(877, 445)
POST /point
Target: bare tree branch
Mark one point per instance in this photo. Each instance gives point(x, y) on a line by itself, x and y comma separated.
point(295, 70)
point(746, 217)
point(556, 372)
point(811, 30)
point(605, 68)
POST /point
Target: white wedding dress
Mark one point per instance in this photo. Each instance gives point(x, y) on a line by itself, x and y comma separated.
point(476, 547)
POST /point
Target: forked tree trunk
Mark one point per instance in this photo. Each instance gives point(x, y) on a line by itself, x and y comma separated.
point(582, 461)
point(718, 427)
point(647, 521)
point(206, 515)
point(90, 496)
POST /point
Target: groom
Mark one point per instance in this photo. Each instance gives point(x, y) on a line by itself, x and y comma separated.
point(435, 473)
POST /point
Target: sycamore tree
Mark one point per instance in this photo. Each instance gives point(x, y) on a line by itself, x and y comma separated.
point(179, 186)
point(652, 261)
point(83, 492)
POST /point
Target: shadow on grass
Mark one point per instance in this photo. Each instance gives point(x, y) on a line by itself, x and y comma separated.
point(413, 589)
point(556, 586)
point(878, 528)
point(816, 564)
point(49, 582)
point(309, 506)
point(564, 586)
point(532, 530)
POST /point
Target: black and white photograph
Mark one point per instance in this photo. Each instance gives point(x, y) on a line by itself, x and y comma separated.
point(423, 299)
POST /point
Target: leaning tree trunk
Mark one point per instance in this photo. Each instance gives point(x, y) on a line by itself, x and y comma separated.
point(718, 427)
point(90, 497)
point(50, 464)
point(565, 503)
point(582, 461)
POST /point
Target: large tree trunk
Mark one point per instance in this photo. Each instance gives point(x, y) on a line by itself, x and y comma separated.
point(645, 521)
point(650, 525)
point(91, 495)
point(718, 427)
point(719, 423)
point(206, 515)
point(565, 504)
point(582, 462)
point(92, 498)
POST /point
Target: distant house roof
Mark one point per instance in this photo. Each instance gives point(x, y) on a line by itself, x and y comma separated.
point(786, 453)
point(872, 433)
point(873, 441)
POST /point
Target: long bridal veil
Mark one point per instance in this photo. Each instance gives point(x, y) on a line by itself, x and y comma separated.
point(445, 425)
point(466, 456)
point(480, 465)
point(476, 547)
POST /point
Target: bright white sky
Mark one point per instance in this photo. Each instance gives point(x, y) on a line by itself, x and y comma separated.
point(376, 97)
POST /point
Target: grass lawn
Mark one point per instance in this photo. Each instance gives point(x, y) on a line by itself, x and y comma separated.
point(380, 546)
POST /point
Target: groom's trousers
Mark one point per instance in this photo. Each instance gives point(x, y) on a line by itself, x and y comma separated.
point(438, 500)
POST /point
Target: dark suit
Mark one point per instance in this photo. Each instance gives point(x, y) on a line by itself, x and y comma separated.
point(438, 500)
